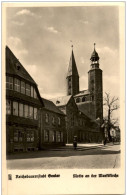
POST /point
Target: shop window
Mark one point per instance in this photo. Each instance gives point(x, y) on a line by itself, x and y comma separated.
point(17, 85)
point(9, 82)
point(8, 107)
point(26, 111)
point(15, 108)
point(22, 87)
point(30, 136)
point(28, 89)
point(46, 135)
point(58, 136)
point(46, 118)
point(32, 91)
point(59, 121)
point(18, 136)
point(21, 110)
point(31, 112)
point(35, 113)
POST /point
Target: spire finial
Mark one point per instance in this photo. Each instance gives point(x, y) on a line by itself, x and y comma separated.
point(94, 45)
point(72, 44)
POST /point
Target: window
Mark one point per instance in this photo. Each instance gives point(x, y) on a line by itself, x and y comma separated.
point(77, 100)
point(18, 136)
point(58, 136)
point(53, 120)
point(28, 89)
point(22, 87)
point(46, 136)
point(72, 120)
point(46, 118)
point(92, 98)
point(17, 85)
point(35, 95)
point(9, 82)
point(61, 136)
point(52, 136)
point(59, 121)
point(83, 99)
point(15, 108)
point(35, 113)
point(26, 111)
point(32, 91)
point(8, 107)
point(21, 110)
point(30, 136)
point(31, 112)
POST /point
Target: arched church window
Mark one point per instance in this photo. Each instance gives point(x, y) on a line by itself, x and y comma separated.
point(83, 99)
point(77, 100)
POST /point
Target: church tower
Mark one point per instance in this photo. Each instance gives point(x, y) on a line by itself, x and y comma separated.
point(72, 77)
point(95, 85)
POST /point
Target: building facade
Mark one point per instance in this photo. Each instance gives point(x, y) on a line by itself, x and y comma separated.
point(23, 102)
point(32, 122)
point(52, 126)
point(77, 123)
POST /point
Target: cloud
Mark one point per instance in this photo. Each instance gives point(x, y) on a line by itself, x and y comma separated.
point(16, 45)
point(14, 41)
point(84, 21)
point(18, 23)
point(25, 12)
point(52, 29)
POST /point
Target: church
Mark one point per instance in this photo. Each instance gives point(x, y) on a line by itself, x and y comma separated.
point(83, 109)
point(89, 101)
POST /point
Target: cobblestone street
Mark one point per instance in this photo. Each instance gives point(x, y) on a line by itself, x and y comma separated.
point(86, 156)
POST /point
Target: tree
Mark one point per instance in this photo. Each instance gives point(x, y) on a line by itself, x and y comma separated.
point(111, 104)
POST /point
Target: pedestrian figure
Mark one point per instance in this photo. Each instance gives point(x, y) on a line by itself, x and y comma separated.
point(75, 142)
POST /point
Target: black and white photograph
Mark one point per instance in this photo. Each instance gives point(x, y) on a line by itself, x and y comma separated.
point(63, 96)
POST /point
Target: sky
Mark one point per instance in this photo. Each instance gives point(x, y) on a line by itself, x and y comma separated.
point(41, 38)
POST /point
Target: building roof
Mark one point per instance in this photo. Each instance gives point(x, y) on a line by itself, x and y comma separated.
point(72, 70)
point(94, 56)
point(61, 101)
point(82, 93)
point(49, 105)
point(14, 67)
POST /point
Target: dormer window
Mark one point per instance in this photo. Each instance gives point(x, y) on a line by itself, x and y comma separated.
point(18, 66)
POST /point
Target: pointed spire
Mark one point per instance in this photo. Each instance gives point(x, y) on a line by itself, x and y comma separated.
point(72, 70)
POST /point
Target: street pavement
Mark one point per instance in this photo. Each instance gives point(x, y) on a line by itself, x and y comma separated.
point(86, 156)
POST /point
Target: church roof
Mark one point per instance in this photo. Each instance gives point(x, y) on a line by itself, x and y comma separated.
point(82, 93)
point(72, 70)
point(61, 101)
point(14, 67)
point(49, 105)
point(94, 55)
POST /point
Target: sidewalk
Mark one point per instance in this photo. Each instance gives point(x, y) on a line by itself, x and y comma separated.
point(80, 147)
